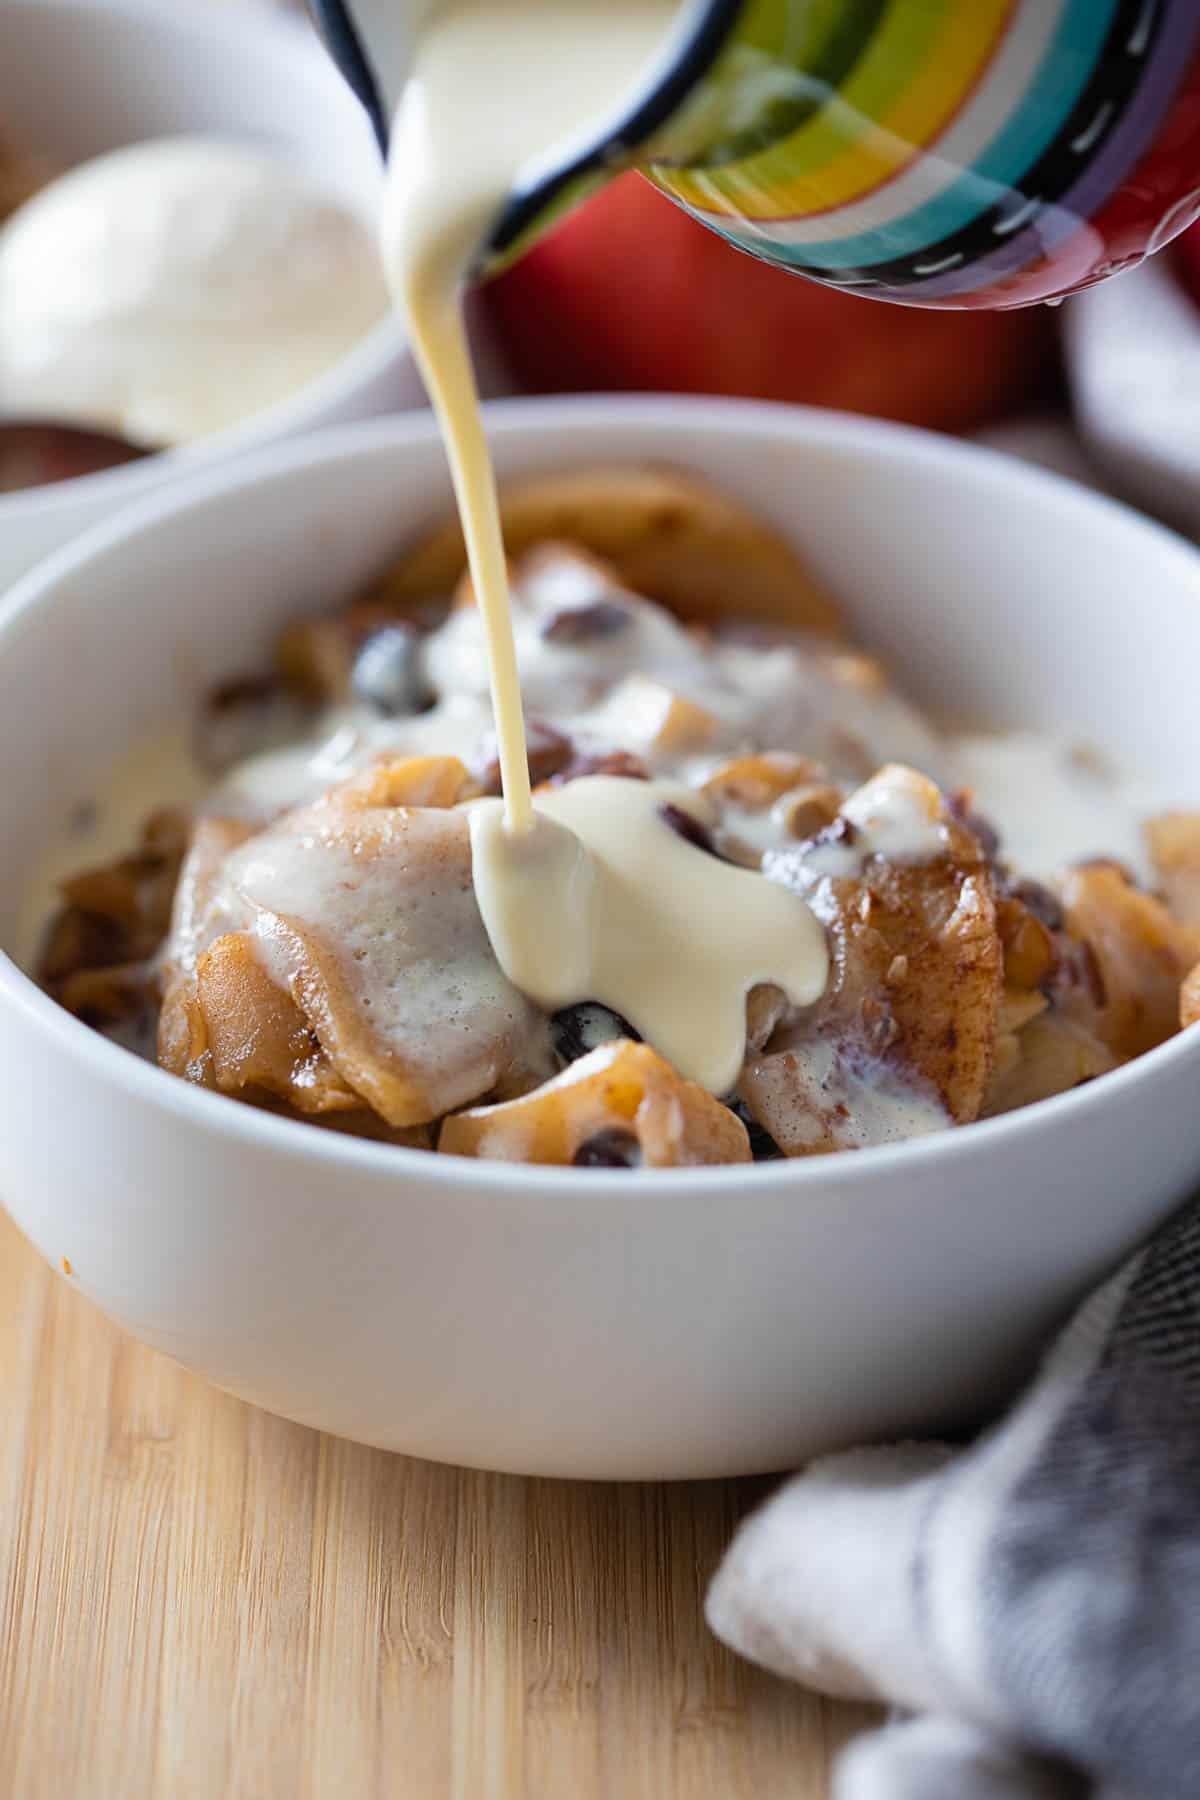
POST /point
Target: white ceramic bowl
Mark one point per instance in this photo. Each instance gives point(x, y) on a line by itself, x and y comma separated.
point(1133, 358)
point(604, 1324)
point(80, 77)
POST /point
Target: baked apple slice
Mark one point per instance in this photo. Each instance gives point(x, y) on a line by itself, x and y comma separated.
point(904, 1038)
point(366, 915)
point(668, 535)
point(621, 1106)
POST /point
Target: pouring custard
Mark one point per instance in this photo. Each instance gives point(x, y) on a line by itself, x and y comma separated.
point(591, 895)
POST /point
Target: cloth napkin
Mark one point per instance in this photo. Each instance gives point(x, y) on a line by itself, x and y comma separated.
point(1030, 1603)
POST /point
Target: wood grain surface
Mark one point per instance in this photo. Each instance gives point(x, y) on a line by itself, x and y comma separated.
point(201, 1602)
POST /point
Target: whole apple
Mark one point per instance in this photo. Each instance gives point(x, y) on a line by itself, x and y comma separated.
point(630, 292)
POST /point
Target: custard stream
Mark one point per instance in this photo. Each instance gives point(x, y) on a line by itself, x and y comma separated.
point(588, 894)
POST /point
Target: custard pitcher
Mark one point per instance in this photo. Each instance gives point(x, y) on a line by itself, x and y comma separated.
point(954, 153)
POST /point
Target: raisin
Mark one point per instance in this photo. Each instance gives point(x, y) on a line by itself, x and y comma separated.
point(763, 1147)
point(584, 624)
point(579, 1029)
point(612, 1148)
point(986, 833)
point(547, 750)
point(692, 830)
point(1041, 902)
point(979, 827)
point(387, 672)
point(242, 716)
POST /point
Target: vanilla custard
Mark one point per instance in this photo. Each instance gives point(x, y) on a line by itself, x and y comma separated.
point(591, 894)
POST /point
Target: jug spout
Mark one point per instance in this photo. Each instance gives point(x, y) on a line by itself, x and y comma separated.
point(371, 42)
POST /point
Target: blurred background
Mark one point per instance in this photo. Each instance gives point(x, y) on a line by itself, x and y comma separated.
point(628, 293)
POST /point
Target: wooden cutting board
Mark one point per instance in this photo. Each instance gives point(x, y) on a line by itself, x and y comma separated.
point(201, 1602)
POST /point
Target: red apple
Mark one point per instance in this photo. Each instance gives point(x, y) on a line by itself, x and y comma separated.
point(629, 292)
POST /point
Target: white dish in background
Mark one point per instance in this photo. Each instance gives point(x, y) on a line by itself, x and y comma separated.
point(1133, 358)
point(672, 1323)
point(80, 77)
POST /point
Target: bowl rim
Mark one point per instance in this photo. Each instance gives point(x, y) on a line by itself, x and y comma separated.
point(166, 1094)
point(287, 40)
point(1163, 454)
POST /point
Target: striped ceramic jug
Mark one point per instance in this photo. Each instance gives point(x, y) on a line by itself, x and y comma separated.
point(953, 153)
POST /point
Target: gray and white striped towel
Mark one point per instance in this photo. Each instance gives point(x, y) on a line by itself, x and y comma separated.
point(1031, 1604)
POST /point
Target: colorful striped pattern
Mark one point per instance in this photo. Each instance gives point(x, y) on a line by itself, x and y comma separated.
point(949, 147)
